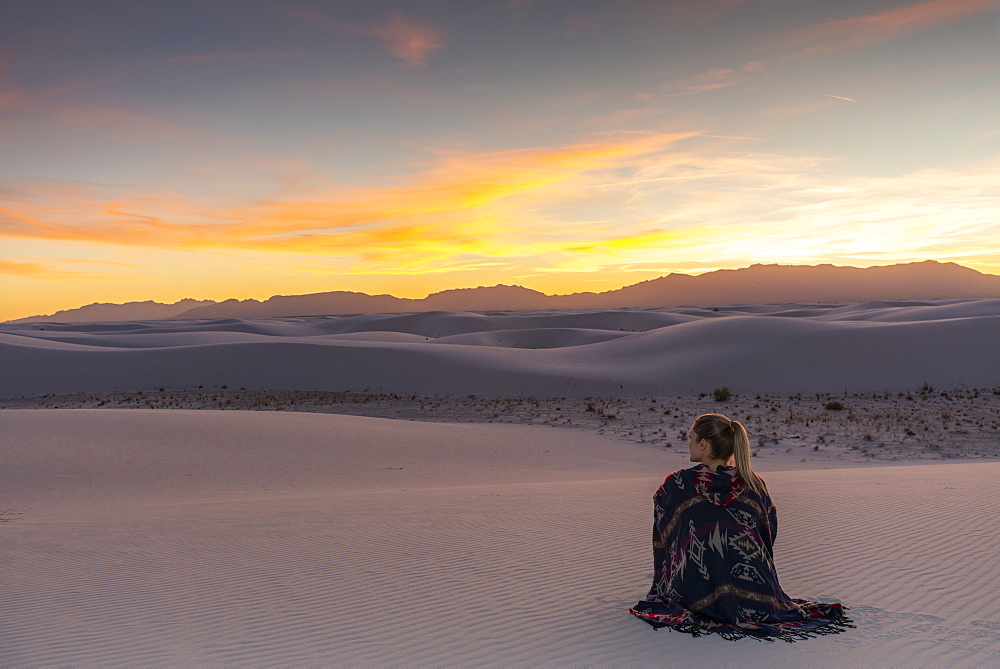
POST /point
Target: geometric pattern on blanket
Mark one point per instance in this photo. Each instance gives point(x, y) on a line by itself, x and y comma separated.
point(713, 564)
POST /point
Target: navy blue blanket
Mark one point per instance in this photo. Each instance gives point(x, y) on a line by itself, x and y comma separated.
point(713, 563)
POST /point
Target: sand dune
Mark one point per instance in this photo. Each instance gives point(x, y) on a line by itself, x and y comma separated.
point(142, 537)
point(232, 538)
point(753, 349)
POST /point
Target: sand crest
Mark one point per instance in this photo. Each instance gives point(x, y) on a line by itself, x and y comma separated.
point(867, 347)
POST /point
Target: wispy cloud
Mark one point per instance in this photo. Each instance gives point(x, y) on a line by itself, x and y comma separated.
point(228, 55)
point(22, 268)
point(41, 270)
point(457, 204)
point(622, 117)
point(688, 13)
point(408, 39)
point(840, 97)
point(714, 79)
point(769, 208)
point(592, 20)
point(631, 203)
point(861, 31)
point(8, 94)
point(520, 211)
point(985, 137)
point(43, 96)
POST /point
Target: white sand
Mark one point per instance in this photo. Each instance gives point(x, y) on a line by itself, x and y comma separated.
point(234, 538)
point(868, 347)
point(142, 537)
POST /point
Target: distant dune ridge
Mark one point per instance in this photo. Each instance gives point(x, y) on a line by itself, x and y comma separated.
point(787, 348)
point(757, 284)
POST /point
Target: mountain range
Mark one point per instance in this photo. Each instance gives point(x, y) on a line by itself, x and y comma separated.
point(757, 284)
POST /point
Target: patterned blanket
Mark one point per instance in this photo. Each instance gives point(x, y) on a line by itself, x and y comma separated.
point(713, 566)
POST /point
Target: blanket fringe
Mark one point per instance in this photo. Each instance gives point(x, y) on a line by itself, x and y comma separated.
point(837, 626)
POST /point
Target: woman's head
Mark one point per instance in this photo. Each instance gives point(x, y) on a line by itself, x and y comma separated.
point(727, 439)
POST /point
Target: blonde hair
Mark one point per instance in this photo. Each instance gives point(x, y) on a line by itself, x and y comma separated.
point(729, 439)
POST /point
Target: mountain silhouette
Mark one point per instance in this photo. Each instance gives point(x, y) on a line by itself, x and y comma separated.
point(130, 311)
point(757, 284)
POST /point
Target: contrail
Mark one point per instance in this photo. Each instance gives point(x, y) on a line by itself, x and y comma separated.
point(840, 97)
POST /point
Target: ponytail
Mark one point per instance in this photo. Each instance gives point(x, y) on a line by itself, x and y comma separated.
point(729, 439)
point(741, 453)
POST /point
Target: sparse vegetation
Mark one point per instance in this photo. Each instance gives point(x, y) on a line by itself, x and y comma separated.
point(885, 426)
point(833, 405)
point(722, 394)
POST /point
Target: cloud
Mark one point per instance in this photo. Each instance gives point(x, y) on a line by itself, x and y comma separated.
point(130, 124)
point(626, 202)
point(22, 268)
point(227, 55)
point(840, 97)
point(590, 20)
point(8, 94)
point(985, 137)
point(621, 246)
point(687, 12)
point(456, 204)
point(714, 79)
point(39, 270)
point(789, 211)
point(622, 117)
point(407, 39)
point(862, 31)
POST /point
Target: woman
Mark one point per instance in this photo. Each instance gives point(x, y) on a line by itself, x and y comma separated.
point(713, 534)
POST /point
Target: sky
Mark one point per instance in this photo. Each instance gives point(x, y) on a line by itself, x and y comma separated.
point(219, 149)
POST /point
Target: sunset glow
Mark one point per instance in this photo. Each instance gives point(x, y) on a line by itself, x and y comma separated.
point(157, 151)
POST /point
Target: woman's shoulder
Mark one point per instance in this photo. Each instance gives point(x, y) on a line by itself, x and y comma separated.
point(759, 495)
point(679, 477)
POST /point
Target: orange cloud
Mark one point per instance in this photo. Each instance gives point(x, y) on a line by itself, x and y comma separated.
point(871, 29)
point(458, 204)
point(407, 38)
point(622, 203)
point(21, 268)
point(37, 270)
point(653, 239)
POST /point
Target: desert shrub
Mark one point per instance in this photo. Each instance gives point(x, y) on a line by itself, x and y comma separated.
point(833, 405)
point(721, 394)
